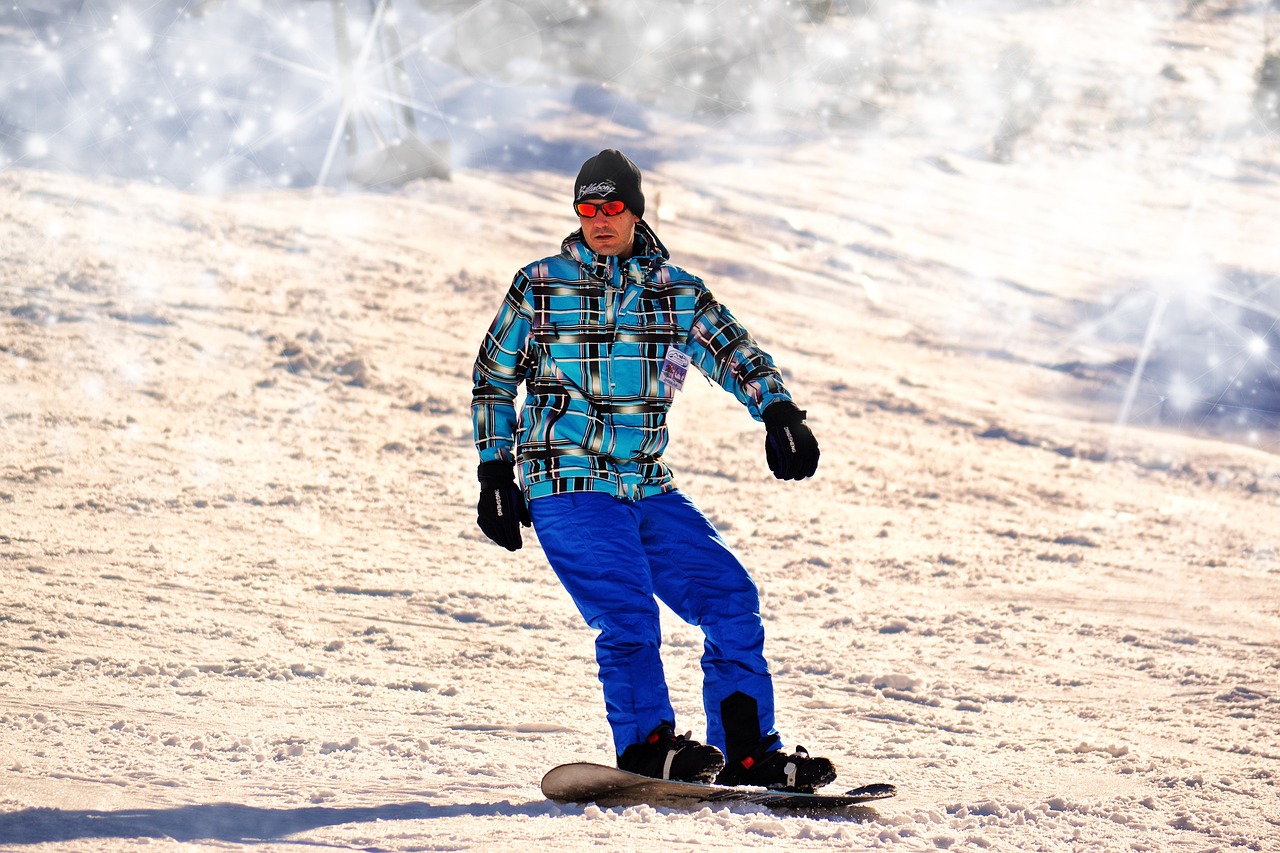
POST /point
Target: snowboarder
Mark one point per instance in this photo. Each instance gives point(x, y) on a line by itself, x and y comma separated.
point(601, 335)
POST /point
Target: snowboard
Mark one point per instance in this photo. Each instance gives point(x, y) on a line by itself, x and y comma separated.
point(596, 783)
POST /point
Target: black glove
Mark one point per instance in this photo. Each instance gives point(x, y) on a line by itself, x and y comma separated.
point(502, 509)
point(789, 447)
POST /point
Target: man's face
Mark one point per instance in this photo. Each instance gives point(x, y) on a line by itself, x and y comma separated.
point(609, 235)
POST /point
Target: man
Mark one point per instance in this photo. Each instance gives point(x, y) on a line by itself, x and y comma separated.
point(602, 335)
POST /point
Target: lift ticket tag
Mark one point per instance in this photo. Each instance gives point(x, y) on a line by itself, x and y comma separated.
point(674, 368)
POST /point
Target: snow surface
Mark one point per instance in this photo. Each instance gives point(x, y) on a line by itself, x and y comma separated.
point(245, 604)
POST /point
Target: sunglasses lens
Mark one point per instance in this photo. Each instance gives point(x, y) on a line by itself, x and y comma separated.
point(609, 208)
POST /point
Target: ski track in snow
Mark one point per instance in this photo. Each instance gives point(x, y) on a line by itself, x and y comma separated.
point(246, 604)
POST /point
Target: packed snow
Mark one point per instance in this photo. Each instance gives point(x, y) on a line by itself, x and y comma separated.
point(1017, 262)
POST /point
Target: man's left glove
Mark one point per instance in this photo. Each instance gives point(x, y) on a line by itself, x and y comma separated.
point(502, 509)
point(789, 447)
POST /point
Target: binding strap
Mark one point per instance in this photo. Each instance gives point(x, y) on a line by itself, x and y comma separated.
point(666, 767)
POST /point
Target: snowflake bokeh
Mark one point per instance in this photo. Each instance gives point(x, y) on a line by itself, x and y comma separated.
point(216, 95)
point(232, 93)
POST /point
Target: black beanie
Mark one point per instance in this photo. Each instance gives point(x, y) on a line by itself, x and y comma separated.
point(610, 174)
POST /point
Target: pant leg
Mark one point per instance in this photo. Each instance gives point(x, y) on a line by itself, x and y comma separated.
point(697, 575)
point(593, 544)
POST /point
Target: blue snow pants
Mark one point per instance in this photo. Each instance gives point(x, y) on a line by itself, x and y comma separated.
point(613, 557)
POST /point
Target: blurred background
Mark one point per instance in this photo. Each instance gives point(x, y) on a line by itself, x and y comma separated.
point(369, 95)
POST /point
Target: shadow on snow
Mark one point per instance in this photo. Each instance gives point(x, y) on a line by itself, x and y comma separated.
point(234, 823)
point(228, 822)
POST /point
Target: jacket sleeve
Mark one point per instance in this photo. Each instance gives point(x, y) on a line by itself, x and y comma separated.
point(724, 350)
point(501, 366)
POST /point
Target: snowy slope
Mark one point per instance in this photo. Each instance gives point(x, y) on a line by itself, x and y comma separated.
point(246, 604)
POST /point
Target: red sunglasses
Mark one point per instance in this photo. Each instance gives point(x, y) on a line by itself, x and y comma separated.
point(608, 208)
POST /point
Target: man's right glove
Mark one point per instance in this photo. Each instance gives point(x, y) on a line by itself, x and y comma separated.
point(789, 448)
point(502, 509)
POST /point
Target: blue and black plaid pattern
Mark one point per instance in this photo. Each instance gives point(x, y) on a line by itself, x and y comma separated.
point(587, 336)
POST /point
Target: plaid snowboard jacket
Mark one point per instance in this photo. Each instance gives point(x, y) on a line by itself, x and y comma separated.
point(588, 335)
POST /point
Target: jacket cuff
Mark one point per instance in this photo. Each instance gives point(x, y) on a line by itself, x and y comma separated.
point(768, 400)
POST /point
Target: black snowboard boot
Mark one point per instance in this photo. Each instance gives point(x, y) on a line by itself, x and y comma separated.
point(770, 767)
point(662, 755)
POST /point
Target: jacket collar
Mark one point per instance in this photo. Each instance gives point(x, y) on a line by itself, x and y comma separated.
point(649, 252)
